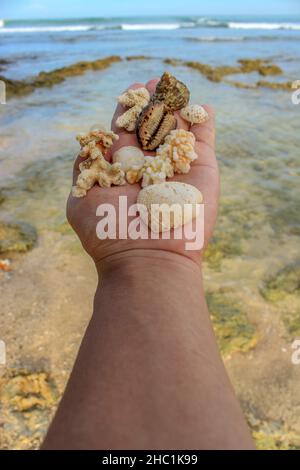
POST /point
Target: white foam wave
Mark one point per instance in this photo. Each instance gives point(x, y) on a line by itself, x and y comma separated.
point(48, 29)
point(269, 26)
point(149, 26)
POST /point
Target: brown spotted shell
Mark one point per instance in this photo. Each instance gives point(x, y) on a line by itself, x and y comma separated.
point(172, 92)
point(154, 124)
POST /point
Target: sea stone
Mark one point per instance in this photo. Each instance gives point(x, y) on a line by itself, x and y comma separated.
point(130, 158)
point(156, 201)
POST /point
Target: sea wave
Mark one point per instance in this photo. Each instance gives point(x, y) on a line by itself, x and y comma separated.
point(241, 38)
point(97, 25)
point(268, 26)
point(150, 26)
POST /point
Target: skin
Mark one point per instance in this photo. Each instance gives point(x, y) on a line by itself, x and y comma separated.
point(149, 374)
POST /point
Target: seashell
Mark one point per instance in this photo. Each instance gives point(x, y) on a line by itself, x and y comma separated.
point(154, 124)
point(194, 113)
point(130, 158)
point(156, 203)
point(172, 92)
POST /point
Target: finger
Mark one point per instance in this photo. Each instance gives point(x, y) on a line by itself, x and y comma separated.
point(120, 110)
point(151, 85)
point(76, 170)
point(181, 123)
point(205, 133)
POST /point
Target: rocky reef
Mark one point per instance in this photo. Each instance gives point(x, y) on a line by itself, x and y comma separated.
point(218, 74)
point(16, 237)
point(27, 404)
point(233, 330)
point(285, 281)
point(16, 88)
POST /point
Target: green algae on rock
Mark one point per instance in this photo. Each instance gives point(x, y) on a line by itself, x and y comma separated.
point(138, 57)
point(275, 85)
point(220, 247)
point(22, 390)
point(285, 281)
point(48, 79)
point(28, 399)
point(16, 237)
point(233, 330)
point(291, 321)
point(272, 435)
point(263, 67)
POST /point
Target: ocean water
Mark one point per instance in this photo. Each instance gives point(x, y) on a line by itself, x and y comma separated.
point(32, 46)
point(258, 144)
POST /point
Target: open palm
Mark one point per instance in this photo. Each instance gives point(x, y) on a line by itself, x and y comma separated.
point(204, 175)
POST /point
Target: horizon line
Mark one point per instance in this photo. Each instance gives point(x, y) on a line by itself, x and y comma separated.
point(104, 17)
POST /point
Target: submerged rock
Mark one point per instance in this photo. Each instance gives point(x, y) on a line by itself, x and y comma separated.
point(275, 85)
point(285, 281)
point(15, 88)
point(233, 330)
point(16, 237)
point(292, 323)
point(263, 67)
point(28, 399)
point(222, 246)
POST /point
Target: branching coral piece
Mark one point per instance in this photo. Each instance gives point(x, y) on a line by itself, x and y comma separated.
point(103, 139)
point(135, 100)
point(95, 169)
point(178, 148)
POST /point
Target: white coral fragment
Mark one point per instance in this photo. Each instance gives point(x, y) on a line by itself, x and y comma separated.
point(156, 170)
point(103, 139)
point(95, 169)
point(131, 97)
point(135, 100)
point(179, 149)
point(194, 113)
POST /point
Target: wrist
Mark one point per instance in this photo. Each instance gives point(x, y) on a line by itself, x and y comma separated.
point(148, 270)
point(137, 260)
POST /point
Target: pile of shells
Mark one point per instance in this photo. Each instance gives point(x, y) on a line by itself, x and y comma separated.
point(153, 119)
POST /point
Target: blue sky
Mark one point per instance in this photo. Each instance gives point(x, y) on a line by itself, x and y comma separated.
point(19, 9)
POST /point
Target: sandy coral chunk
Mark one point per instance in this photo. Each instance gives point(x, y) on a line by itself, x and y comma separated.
point(139, 97)
point(179, 149)
point(156, 170)
point(135, 100)
point(103, 139)
point(95, 169)
point(129, 119)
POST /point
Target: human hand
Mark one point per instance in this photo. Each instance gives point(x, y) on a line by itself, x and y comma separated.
point(204, 174)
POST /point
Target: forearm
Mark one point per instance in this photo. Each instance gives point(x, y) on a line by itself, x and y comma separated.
point(148, 374)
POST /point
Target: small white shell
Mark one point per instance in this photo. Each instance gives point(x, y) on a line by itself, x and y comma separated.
point(130, 157)
point(156, 201)
point(194, 113)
